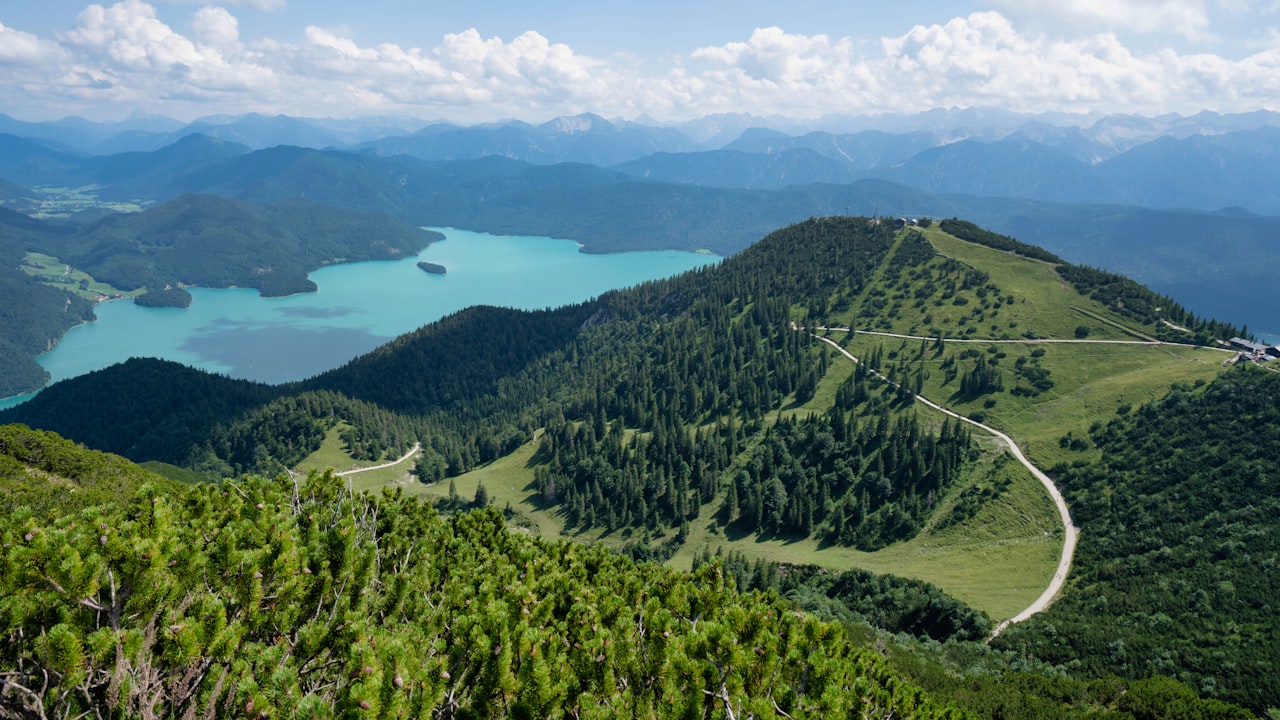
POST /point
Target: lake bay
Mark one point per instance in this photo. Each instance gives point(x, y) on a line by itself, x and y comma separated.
point(358, 307)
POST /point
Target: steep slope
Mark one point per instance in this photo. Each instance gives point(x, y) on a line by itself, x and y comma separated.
point(689, 414)
point(51, 476)
point(219, 242)
point(34, 316)
point(1180, 538)
point(453, 617)
point(734, 169)
point(1207, 172)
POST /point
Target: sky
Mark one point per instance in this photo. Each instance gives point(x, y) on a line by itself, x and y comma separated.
point(664, 60)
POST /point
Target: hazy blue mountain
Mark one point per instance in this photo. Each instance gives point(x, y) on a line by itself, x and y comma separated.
point(353, 131)
point(131, 141)
point(951, 122)
point(1074, 141)
point(29, 163)
point(736, 169)
point(716, 131)
point(518, 141)
point(1202, 171)
point(340, 179)
point(121, 176)
point(581, 138)
point(78, 135)
point(860, 151)
point(1037, 161)
point(260, 131)
point(591, 139)
point(10, 191)
point(132, 174)
point(1014, 167)
point(1125, 132)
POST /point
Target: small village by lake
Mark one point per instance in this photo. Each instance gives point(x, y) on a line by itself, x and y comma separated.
point(358, 307)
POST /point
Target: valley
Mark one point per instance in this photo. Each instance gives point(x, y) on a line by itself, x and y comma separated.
point(998, 560)
point(955, 444)
point(356, 307)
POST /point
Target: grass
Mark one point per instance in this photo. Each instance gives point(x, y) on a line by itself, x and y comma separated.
point(52, 271)
point(1091, 383)
point(173, 472)
point(1043, 300)
point(332, 453)
point(61, 202)
point(994, 540)
point(916, 301)
point(999, 560)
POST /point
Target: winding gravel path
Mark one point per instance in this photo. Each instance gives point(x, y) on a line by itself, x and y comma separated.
point(1070, 532)
point(1029, 341)
point(412, 451)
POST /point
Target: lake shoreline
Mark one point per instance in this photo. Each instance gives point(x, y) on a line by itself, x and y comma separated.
point(356, 307)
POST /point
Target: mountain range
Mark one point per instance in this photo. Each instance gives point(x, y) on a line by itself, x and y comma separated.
point(1204, 162)
point(1184, 212)
point(695, 412)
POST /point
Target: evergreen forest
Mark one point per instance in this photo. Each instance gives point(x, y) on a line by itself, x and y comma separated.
point(298, 598)
point(669, 482)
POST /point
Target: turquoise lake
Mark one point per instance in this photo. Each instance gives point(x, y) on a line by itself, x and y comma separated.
point(358, 307)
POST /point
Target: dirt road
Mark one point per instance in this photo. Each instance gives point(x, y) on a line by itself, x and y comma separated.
point(412, 451)
point(1069, 530)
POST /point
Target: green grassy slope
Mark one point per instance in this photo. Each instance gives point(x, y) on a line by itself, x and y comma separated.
point(51, 476)
point(999, 554)
point(305, 599)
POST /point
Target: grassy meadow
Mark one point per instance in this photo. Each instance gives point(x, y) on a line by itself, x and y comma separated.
point(52, 271)
point(994, 539)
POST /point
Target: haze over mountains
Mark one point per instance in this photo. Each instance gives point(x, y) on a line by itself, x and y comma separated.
point(1204, 162)
point(1181, 203)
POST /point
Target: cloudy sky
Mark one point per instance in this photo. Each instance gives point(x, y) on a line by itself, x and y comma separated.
point(666, 59)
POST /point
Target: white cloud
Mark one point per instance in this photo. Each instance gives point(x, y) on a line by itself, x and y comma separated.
point(129, 35)
point(983, 60)
point(263, 5)
point(216, 28)
point(22, 48)
point(123, 55)
point(132, 56)
point(497, 78)
point(1188, 18)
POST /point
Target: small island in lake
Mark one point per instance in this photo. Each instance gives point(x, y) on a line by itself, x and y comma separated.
point(432, 268)
point(168, 297)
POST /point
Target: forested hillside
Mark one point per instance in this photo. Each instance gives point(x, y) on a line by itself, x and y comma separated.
point(218, 242)
point(256, 597)
point(51, 476)
point(34, 316)
point(259, 597)
point(701, 409)
point(193, 240)
point(1177, 566)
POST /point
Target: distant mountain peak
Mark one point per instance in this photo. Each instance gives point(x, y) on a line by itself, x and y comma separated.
point(576, 124)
